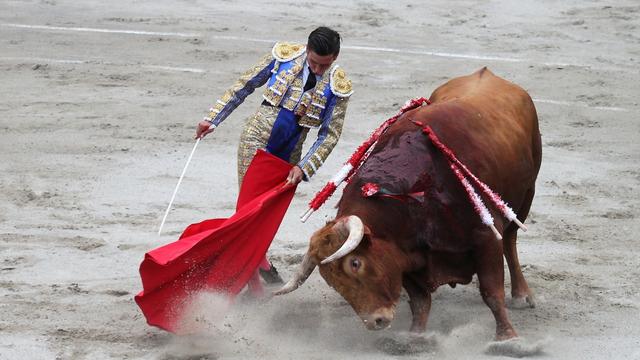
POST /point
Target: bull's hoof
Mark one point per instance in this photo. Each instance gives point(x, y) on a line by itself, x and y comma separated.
point(515, 347)
point(418, 328)
point(522, 302)
point(505, 333)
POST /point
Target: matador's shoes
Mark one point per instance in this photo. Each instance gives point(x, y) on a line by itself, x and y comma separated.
point(271, 276)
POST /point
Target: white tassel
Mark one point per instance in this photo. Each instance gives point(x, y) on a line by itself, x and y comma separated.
point(485, 215)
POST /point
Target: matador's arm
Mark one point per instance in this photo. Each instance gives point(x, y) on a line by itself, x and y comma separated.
point(328, 136)
point(248, 82)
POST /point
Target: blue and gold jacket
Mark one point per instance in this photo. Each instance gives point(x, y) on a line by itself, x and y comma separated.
point(322, 107)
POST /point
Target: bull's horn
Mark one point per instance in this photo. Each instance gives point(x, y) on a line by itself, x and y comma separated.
point(356, 232)
point(305, 269)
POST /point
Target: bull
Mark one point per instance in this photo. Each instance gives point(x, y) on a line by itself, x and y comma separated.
point(378, 245)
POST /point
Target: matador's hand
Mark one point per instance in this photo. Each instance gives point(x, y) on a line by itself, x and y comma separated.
point(203, 128)
point(295, 176)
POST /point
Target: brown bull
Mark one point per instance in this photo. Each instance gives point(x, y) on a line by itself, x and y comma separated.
point(378, 245)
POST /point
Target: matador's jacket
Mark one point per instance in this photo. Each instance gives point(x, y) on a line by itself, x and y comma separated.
point(288, 113)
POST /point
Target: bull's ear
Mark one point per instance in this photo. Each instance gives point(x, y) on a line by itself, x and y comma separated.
point(367, 231)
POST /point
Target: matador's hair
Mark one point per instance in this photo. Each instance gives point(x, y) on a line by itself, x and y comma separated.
point(324, 41)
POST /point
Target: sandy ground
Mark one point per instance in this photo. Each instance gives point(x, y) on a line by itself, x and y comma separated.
point(95, 127)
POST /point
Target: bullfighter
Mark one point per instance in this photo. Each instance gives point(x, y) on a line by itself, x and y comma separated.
point(305, 90)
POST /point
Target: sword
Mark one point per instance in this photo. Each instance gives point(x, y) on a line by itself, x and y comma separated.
point(173, 197)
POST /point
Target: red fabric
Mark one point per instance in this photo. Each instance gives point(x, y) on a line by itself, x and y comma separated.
point(218, 255)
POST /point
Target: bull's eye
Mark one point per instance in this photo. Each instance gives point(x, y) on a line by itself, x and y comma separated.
point(355, 264)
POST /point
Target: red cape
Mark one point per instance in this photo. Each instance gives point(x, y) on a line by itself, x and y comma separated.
point(218, 255)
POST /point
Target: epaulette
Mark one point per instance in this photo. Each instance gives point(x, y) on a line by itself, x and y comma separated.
point(284, 51)
point(340, 84)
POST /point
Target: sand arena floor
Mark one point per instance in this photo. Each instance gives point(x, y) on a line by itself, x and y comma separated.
point(98, 102)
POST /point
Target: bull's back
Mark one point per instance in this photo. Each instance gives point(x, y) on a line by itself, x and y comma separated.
point(492, 125)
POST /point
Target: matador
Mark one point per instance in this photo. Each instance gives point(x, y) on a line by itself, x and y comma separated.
point(305, 90)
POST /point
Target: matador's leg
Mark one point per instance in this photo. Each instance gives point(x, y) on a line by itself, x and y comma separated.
point(255, 135)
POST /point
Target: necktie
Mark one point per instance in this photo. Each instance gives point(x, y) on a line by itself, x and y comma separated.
point(311, 81)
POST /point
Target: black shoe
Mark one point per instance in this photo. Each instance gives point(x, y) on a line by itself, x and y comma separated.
point(271, 276)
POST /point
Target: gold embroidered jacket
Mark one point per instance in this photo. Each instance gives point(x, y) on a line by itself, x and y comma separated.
point(322, 107)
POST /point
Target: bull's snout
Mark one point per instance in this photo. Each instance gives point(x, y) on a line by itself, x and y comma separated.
point(378, 320)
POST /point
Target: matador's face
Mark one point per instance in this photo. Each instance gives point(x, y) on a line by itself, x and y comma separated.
point(319, 63)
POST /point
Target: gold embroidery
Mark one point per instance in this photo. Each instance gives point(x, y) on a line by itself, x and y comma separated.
point(241, 83)
point(297, 151)
point(226, 97)
point(276, 92)
point(295, 94)
point(314, 108)
point(285, 51)
point(318, 102)
point(340, 83)
point(255, 135)
point(304, 103)
point(309, 122)
point(335, 129)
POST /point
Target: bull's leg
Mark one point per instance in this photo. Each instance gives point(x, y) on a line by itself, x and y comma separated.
point(490, 267)
point(520, 292)
point(419, 302)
